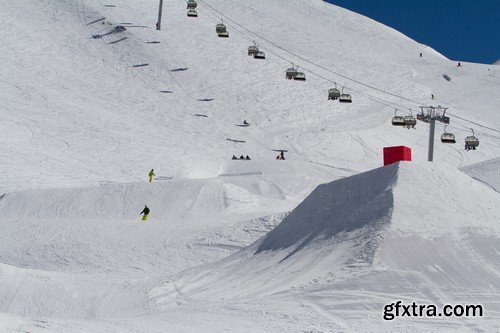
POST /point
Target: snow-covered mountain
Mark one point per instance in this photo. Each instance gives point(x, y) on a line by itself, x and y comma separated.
point(236, 245)
point(76, 112)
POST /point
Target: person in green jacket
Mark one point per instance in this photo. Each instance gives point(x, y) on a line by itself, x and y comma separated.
point(145, 211)
point(151, 175)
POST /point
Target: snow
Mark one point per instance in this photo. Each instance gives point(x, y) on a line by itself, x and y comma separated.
point(319, 242)
point(486, 172)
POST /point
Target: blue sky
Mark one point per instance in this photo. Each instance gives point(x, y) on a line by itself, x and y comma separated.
point(459, 29)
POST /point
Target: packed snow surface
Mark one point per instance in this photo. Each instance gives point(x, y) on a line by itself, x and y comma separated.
point(487, 172)
point(319, 242)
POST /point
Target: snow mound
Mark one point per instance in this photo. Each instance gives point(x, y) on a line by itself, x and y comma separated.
point(486, 172)
point(175, 199)
point(99, 228)
point(410, 225)
point(341, 206)
point(393, 197)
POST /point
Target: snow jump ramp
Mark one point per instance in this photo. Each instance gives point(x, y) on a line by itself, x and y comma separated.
point(404, 231)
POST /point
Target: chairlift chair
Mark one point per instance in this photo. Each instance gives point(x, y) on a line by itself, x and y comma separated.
point(398, 120)
point(345, 98)
point(191, 4)
point(253, 49)
point(291, 72)
point(221, 30)
point(259, 55)
point(224, 34)
point(333, 93)
point(300, 76)
point(410, 121)
point(447, 137)
point(471, 142)
point(192, 13)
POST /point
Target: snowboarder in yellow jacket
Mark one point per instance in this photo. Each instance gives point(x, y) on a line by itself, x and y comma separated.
point(145, 211)
point(151, 175)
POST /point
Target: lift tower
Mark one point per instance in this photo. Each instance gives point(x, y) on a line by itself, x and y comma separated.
point(158, 24)
point(430, 114)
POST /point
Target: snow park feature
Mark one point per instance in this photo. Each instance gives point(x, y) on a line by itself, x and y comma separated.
point(396, 154)
point(322, 241)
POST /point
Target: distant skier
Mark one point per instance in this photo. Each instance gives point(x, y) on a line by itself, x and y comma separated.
point(242, 157)
point(459, 65)
point(420, 54)
point(245, 122)
point(234, 157)
point(282, 155)
point(145, 211)
point(432, 96)
point(151, 175)
point(247, 158)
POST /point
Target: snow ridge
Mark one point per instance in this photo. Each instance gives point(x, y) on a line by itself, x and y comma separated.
point(361, 201)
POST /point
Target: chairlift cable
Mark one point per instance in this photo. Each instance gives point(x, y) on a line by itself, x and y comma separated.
point(336, 73)
point(309, 61)
point(375, 99)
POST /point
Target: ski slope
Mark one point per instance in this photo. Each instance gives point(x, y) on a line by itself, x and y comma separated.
point(80, 105)
point(244, 246)
point(486, 172)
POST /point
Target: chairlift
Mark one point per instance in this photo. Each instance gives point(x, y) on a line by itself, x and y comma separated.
point(447, 137)
point(300, 76)
point(192, 13)
point(345, 98)
point(333, 93)
point(252, 50)
point(191, 4)
point(259, 55)
point(471, 142)
point(398, 120)
point(291, 72)
point(221, 30)
point(410, 121)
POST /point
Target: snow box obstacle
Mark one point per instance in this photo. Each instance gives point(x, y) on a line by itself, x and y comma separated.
point(396, 154)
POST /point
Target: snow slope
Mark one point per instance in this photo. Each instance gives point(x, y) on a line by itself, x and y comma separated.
point(369, 239)
point(82, 124)
point(486, 172)
point(78, 113)
point(81, 253)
